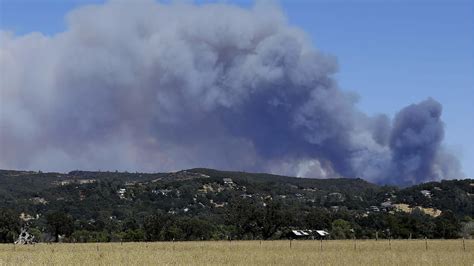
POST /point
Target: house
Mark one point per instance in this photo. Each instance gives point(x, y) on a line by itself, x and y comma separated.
point(26, 217)
point(86, 181)
point(74, 181)
point(220, 205)
point(163, 192)
point(228, 181)
point(374, 208)
point(130, 183)
point(121, 193)
point(386, 205)
point(39, 200)
point(426, 193)
point(62, 182)
point(246, 196)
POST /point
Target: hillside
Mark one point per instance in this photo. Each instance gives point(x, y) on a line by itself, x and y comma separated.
point(106, 206)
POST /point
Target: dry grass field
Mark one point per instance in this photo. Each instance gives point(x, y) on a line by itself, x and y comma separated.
point(369, 252)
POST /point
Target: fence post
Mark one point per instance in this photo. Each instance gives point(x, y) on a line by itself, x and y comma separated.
point(389, 243)
point(321, 246)
point(463, 244)
point(290, 242)
point(426, 243)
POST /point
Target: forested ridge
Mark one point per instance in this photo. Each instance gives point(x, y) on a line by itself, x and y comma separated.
point(207, 204)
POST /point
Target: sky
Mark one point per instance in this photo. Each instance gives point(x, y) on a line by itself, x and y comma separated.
point(391, 53)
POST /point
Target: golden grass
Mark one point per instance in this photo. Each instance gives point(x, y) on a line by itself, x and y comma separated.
point(406, 208)
point(334, 252)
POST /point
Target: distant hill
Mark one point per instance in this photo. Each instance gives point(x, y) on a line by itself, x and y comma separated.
point(454, 195)
point(99, 201)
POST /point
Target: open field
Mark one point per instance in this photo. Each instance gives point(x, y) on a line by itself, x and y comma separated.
point(333, 252)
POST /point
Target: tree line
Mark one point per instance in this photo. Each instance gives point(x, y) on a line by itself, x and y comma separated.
point(241, 219)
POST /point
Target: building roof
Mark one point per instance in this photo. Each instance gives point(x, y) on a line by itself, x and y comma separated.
point(301, 232)
point(309, 232)
point(322, 233)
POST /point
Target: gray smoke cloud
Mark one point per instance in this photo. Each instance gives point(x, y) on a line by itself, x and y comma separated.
point(159, 87)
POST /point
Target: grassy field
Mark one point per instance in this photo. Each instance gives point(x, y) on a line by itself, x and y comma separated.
point(347, 252)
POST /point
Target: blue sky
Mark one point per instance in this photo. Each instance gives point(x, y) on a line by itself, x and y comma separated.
point(392, 53)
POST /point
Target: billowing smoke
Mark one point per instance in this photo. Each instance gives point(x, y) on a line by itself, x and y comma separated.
point(152, 87)
point(415, 143)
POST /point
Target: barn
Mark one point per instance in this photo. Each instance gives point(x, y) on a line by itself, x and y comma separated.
point(308, 234)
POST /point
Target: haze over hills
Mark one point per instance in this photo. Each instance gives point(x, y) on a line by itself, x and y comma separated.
point(108, 206)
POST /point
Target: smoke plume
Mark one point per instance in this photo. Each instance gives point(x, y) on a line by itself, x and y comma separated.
point(158, 87)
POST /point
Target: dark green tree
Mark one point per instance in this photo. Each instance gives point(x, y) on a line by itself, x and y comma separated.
point(341, 229)
point(318, 219)
point(244, 216)
point(9, 225)
point(197, 229)
point(154, 224)
point(59, 223)
point(272, 219)
point(447, 226)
